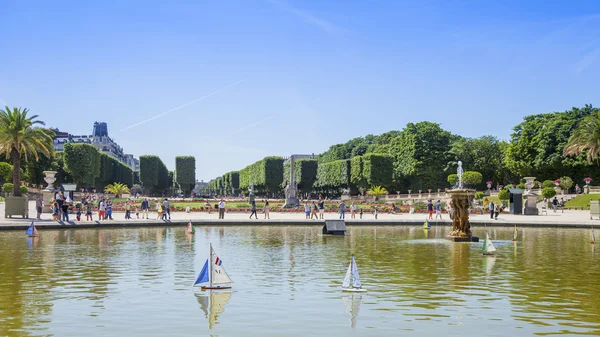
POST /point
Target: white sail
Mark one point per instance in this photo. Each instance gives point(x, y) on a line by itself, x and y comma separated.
point(346, 283)
point(355, 277)
point(489, 245)
point(219, 275)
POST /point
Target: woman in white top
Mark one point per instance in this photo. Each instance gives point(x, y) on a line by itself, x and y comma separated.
point(266, 210)
point(353, 211)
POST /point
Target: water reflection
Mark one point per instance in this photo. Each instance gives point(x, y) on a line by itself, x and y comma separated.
point(213, 304)
point(89, 280)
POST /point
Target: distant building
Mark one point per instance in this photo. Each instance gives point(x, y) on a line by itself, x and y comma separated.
point(100, 140)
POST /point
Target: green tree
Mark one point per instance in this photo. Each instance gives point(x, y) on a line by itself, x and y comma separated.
point(83, 162)
point(484, 154)
point(6, 171)
point(19, 139)
point(566, 183)
point(452, 179)
point(503, 194)
point(586, 138)
point(472, 178)
point(548, 192)
point(547, 183)
point(185, 173)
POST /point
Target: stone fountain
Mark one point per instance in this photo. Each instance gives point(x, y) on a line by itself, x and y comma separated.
point(460, 202)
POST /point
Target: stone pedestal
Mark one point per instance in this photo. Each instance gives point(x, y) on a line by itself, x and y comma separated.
point(49, 192)
point(531, 204)
point(460, 202)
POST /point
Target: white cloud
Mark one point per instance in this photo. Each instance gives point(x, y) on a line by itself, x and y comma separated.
point(308, 17)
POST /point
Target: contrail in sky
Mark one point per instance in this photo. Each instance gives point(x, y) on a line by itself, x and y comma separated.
point(182, 106)
point(251, 125)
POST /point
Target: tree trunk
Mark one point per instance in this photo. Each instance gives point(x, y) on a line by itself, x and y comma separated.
point(16, 159)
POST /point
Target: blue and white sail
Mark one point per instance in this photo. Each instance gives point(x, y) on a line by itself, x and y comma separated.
point(352, 278)
point(214, 273)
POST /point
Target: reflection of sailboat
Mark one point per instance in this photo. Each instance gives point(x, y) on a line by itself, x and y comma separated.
point(593, 236)
point(352, 278)
point(190, 229)
point(515, 234)
point(488, 246)
point(352, 303)
point(31, 231)
point(213, 273)
point(426, 224)
point(489, 264)
point(213, 305)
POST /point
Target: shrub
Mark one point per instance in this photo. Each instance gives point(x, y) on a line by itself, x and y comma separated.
point(452, 179)
point(566, 182)
point(7, 187)
point(419, 206)
point(547, 183)
point(521, 186)
point(548, 192)
point(23, 189)
point(504, 194)
point(472, 177)
point(478, 195)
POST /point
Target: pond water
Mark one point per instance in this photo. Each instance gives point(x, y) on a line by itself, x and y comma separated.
point(138, 282)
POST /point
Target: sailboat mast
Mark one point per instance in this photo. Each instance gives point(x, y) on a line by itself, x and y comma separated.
point(210, 276)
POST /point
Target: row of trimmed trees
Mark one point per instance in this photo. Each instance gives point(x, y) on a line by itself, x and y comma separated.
point(156, 179)
point(271, 174)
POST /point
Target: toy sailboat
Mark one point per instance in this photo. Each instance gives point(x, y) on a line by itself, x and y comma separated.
point(352, 278)
point(426, 224)
point(488, 246)
point(213, 273)
point(593, 236)
point(515, 234)
point(190, 229)
point(31, 231)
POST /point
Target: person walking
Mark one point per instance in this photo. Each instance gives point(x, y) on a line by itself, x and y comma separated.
point(361, 212)
point(88, 211)
point(314, 211)
point(158, 210)
point(167, 208)
point(253, 210)
point(438, 209)
point(491, 209)
point(38, 206)
point(497, 211)
point(554, 204)
point(430, 209)
point(266, 210)
point(145, 207)
point(222, 209)
point(342, 210)
point(65, 212)
point(101, 209)
point(109, 209)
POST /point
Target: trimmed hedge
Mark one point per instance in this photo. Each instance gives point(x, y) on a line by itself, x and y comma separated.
point(265, 174)
point(113, 171)
point(334, 175)
point(305, 174)
point(231, 181)
point(154, 175)
point(378, 169)
point(185, 173)
point(83, 162)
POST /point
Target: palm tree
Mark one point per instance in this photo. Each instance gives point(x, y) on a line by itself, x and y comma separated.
point(377, 191)
point(19, 139)
point(117, 189)
point(585, 137)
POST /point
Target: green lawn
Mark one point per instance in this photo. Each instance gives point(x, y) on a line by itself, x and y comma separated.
point(582, 200)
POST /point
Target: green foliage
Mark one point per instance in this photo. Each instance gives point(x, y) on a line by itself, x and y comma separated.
point(566, 182)
point(582, 200)
point(378, 169)
point(377, 191)
point(484, 154)
point(266, 175)
point(504, 194)
point(7, 187)
point(548, 192)
point(154, 175)
point(472, 178)
point(356, 173)
point(20, 139)
point(23, 189)
point(6, 171)
point(83, 162)
point(479, 195)
point(185, 173)
point(586, 138)
point(136, 178)
point(117, 189)
point(231, 182)
point(547, 183)
point(305, 174)
point(34, 169)
point(521, 186)
point(536, 146)
point(112, 170)
point(452, 179)
point(334, 175)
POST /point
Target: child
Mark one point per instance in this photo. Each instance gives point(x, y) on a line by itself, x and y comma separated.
point(137, 212)
point(78, 214)
point(376, 209)
point(361, 212)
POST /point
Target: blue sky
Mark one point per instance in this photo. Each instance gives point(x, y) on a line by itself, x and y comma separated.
point(292, 76)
